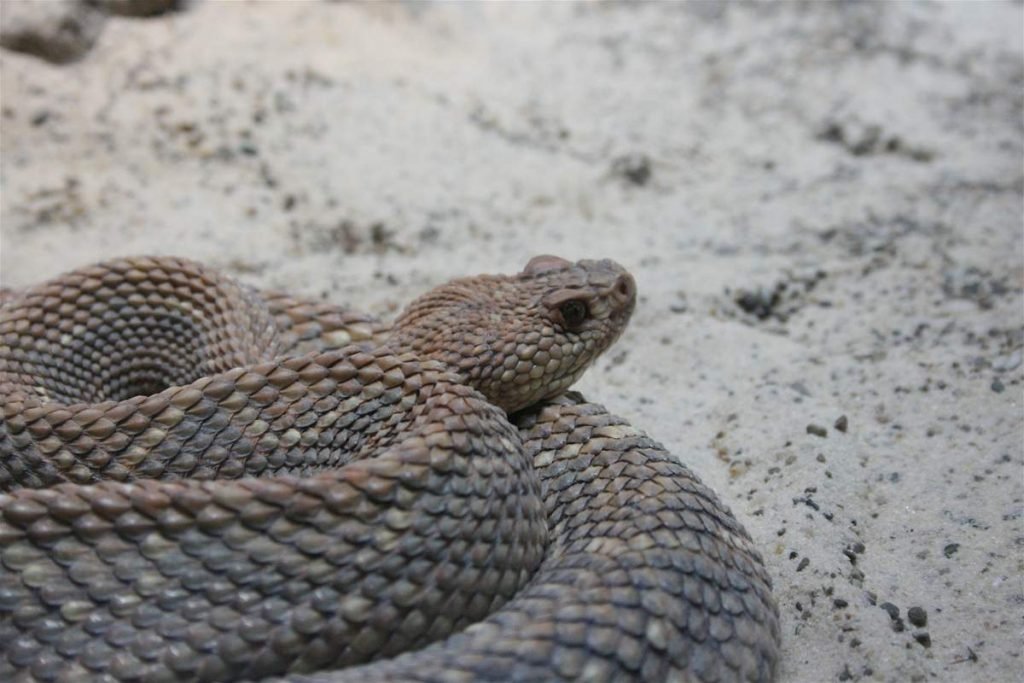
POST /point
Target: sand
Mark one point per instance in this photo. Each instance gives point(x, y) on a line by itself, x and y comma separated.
point(822, 205)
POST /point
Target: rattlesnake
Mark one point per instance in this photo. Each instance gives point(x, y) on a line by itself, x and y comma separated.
point(207, 482)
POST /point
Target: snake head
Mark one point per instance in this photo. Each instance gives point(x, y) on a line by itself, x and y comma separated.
point(521, 338)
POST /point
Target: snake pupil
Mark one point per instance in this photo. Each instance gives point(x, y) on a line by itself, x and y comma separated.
point(574, 313)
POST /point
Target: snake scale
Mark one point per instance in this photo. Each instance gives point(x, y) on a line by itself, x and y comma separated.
point(202, 481)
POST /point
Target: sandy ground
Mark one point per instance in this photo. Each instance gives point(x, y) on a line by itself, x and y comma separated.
point(822, 204)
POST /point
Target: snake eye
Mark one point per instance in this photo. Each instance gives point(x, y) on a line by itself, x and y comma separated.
point(574, 313)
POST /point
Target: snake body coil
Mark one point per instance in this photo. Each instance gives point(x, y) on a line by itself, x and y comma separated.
point(204, 482)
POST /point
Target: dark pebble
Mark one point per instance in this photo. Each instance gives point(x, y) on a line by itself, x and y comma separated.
point(841, 424)
point(808, 502)
point(636, 168)
point(803, 564)
point(997, 386)
point(894, 616)
point(950, 550)
point(760, 303)
point(66, 35)
point(817, 430)
point(917, 616)
point(141, 8)
point(893, 610)
point(923, 638)
point(839, 603)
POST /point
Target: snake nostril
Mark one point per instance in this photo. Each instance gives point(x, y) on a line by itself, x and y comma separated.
point(625, 287)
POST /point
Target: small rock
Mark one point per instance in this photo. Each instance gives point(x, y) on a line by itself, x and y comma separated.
point(635, 168)
point(803, 564)
point(800, 388)
point(950, 549)
point(923, 638)
point(998, 386)
point(891, 609)
point(760, 303)
point(58, 31)
point(894, 616)
point(1007, 362)
point(841, 424)
point(839, 603)
point(817, 430)
point(140, 8)
point(917, 616)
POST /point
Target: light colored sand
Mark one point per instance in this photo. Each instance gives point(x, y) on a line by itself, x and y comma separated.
point(365, 153)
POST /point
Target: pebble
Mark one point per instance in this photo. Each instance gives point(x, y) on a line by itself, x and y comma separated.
point(950, 549)
point(635, 168)
point(60, 31)
point(998, 386)
point(923, 638)
point(817, 430)
point(1010, 361)
point(841, 424)
point(141, 8)
point(894, 616)
point(760, 303)
point(917, 616)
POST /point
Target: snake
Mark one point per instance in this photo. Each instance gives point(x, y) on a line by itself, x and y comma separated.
point(205, 481)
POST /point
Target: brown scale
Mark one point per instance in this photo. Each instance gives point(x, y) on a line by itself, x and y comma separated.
point(261, 486)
